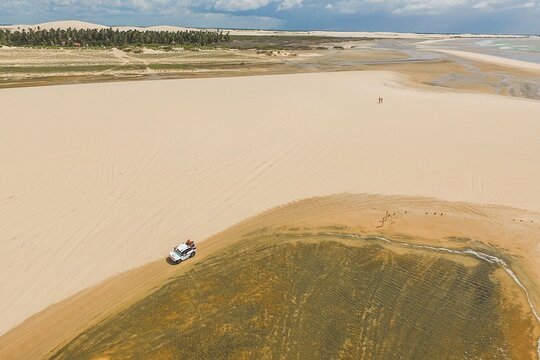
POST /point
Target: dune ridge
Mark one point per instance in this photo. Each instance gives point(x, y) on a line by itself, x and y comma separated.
point(81, 25)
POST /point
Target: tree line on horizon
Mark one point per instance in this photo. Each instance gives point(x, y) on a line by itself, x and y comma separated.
point(109, 37)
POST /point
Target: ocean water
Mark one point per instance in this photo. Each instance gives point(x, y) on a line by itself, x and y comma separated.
point(524, 49)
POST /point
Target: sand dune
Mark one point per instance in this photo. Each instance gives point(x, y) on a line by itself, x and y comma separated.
point(75, 24)
point(64, 24)
point(97, 179)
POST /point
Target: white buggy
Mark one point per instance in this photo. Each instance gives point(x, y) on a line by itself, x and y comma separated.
point(183, 252)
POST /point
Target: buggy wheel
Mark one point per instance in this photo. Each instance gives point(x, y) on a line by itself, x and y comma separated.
point(192, 255)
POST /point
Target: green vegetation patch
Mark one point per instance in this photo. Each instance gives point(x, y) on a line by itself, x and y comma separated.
point(108, 37)
point(292, 42)
point(197, 65)
point(268, 299)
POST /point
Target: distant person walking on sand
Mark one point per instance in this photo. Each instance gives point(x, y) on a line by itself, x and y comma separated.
point(380, 100)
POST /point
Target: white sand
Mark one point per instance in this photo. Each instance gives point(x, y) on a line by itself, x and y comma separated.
point(498, 60)
point(100, 178)
point(75, 24)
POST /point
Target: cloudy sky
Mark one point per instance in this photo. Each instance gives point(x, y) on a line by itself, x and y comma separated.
point(457, 16)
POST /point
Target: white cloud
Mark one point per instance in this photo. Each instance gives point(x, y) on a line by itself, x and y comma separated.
point(219, 20)
point(427, 6)
point(491, 5)
point(243, 5)
point(290, 4)
point(529, 4)
point(61, 2)
point(240, 5)
point(404, 7)
point(507, 15)
point(145, 6)
point(488, 4)
point(108, 6)
point(397, 7)
point(199, 13)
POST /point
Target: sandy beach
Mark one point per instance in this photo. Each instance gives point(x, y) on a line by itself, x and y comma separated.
point(98, 179)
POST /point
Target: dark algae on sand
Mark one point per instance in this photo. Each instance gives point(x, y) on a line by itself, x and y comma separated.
point(316, 298)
